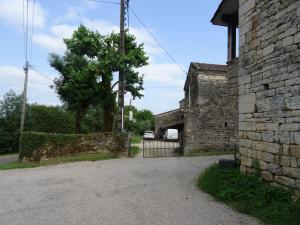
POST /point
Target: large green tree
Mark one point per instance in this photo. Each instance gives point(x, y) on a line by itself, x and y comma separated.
point(102, 59)
point(10, 117)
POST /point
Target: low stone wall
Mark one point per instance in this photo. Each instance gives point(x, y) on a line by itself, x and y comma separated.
point(37, 146)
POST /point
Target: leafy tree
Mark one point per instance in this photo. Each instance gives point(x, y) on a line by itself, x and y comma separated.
point(10, 117)
point(143, 120)
point(49, 119)
point(103, 53)
point(77, 86)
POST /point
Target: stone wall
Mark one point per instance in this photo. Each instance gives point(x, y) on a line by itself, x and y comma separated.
point(171, 119)
point(269, 89)
point(37, 146)
point(208, 118)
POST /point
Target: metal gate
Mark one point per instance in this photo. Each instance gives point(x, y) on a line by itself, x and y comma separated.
point(159, 148)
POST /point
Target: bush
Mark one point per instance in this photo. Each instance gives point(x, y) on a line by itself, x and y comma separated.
point(49, 119)
point(251, 195)
point(33, 141)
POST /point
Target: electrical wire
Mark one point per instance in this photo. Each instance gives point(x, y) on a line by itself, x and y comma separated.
point(105, 2)
point(157, 41)
point(32, 22)
point(26, 34)
point(161, 87)
point(148, 30)
point(41, 73)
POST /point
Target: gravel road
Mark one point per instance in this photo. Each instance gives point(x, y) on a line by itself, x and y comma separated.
point(115, 192)
point(8, 158)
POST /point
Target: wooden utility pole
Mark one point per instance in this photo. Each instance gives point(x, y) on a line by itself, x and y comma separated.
point(121, 72)
point(26, 68)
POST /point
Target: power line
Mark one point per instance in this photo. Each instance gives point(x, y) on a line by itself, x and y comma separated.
point(157, 41)
point(161, 87)
point(105, 2)
point(148, 30)
point(32, 21)
point(41, 73)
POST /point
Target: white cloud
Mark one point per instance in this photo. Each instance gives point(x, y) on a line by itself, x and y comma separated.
point(38, 86)
point(165, 73)
point(11, 13)
point(54, 41)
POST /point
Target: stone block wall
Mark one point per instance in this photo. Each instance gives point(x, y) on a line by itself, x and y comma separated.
point(37, 146)
point(269, 89)
point(166, 120)
point(208, 118)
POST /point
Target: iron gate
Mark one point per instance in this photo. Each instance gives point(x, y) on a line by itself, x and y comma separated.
point(159, 148)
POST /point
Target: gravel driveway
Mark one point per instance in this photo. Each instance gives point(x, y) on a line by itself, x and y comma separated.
point(115, 192)
point(8, 158)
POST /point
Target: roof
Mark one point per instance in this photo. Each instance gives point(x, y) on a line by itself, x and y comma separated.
point(209, 67)
point(204, 67)
point(225, 9)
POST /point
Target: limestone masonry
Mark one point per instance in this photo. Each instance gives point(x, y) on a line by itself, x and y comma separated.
point(254, 101)
point(269, 91)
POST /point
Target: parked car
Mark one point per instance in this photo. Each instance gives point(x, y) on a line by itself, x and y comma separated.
point(171, 135)
point(149, 134)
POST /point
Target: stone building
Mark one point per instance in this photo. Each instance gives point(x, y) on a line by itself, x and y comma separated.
point(269, 90)
point(207, 123)
point(210, 106)
point(256, 95)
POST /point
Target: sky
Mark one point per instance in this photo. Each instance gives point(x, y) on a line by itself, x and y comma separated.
point(182, 27)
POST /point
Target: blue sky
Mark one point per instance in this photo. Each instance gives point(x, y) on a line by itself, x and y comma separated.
point(183, 27)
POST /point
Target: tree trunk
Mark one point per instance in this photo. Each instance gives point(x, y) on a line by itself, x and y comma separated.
point(78, 121)
point(109, 105)
point(109, 117)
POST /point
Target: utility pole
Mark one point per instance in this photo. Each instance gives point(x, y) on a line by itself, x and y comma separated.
point(121, 72)
point(26, 68)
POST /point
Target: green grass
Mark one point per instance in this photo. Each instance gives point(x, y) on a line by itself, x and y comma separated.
point(209, 153)
point(58, 160)
point(135, 139)
point(134, 150)
point(251, 195)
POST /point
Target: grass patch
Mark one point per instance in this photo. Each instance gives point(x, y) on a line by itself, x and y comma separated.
point(134, 150)
point(251, 195)
point(135, 139)
point(209, 153)
point(58, 160)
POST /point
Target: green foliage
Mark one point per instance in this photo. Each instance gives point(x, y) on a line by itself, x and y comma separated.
point(136, 139)
point(251, 195)
point(134, 150)
point(49, 119)
point(143, 120)
point(87, 69)
point(59, 160)
point(33, 141)
point(10, 117)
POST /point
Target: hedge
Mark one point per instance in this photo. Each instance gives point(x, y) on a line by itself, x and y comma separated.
point(36, 145)
point(34, 141)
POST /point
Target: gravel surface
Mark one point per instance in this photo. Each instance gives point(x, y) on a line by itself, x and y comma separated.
point(114, 192)
point(8, 158)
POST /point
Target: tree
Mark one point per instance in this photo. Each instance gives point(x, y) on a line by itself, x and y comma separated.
point(143, 120)
point(10, 117)
point(77, 86)
point(103, 53)
point(49, 119)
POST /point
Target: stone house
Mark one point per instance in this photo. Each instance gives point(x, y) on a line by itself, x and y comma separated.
point(254, 100)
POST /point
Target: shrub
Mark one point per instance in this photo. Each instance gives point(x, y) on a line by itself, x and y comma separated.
point(251, 195)
point(34, 141)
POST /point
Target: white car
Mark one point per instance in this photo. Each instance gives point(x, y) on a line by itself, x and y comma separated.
point(149, 134)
